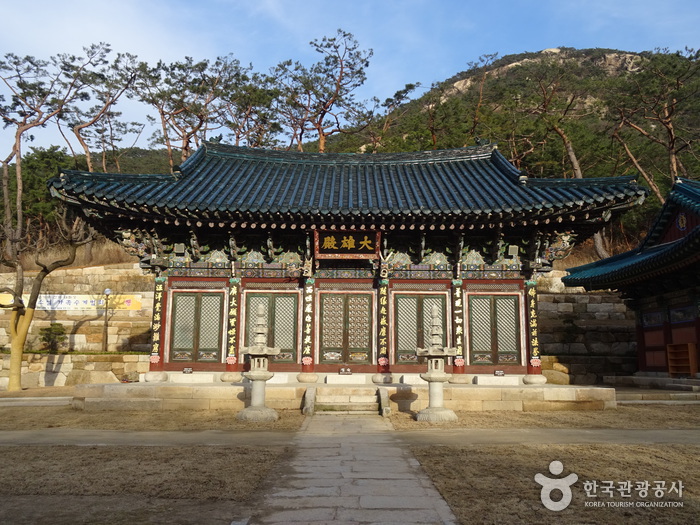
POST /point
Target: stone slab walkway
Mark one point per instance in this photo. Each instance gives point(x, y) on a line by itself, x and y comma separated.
point(351, 470)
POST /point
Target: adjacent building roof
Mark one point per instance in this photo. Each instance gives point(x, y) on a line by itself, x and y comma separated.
point(656, 258)
point(233, 183)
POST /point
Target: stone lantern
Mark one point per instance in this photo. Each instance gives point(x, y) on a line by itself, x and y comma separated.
point(259, 374)
point(436, 376)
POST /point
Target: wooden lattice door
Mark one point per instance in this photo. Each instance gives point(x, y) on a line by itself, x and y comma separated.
point(413, 322)
point(281, 314)
point(494, 329)
point(346, 328)
point(197, 326)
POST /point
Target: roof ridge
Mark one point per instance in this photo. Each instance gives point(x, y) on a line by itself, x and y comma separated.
point(468, 152)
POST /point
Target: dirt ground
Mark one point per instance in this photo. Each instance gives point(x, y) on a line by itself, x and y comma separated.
point(216, 484)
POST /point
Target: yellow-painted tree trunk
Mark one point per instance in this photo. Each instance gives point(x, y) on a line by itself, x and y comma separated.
point(20, 321)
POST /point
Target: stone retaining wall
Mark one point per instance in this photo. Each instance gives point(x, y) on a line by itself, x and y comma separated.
point(67, 370)
point(586, 336)
point(403, 398)
point(128, 318)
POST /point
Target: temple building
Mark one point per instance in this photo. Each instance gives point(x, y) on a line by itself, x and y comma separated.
point(661, 280)
point(353, 259)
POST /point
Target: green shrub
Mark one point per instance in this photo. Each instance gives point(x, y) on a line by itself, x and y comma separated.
point(53, 337)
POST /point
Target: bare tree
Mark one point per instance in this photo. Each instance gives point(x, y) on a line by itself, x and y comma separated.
point(106, 85)
point(394, 108)
point(245, 109)
point(39, 90)
point(321, 99)
point(186, 96)
point(657, 109)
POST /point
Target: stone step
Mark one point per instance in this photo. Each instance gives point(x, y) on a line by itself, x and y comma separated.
point(682, 386)
point(35, 401)
point(346, 391)
point(320, 398)
point(347, 413)
point(347, 407)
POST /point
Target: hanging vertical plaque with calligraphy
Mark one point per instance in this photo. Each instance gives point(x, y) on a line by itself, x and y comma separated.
point(231, 335)
point(535, 360)
point(332, 244)
point(383, 342)
point(307, 359)
point(458, 317)
point(157, 326)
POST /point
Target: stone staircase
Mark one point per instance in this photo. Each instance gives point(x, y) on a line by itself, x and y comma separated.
point(345, 400)
point(687, 384)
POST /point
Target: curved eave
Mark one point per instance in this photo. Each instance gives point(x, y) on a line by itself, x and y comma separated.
point(630, 268)
point(464, 184)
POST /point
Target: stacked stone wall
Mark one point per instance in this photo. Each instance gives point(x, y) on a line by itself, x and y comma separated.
point(68, 370)
point(128, 325)
point(586, 336)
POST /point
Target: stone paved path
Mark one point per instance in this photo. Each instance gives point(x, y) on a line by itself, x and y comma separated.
point(351, 470)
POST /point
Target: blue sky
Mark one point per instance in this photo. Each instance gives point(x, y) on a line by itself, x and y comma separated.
point(413, 40)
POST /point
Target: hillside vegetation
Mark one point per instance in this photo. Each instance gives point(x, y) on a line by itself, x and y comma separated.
point(556, 113)
point(562, 113)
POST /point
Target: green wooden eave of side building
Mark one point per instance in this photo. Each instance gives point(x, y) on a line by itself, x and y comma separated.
point(662, 261)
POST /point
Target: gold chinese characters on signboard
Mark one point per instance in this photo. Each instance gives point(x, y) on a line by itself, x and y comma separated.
point(331, 244)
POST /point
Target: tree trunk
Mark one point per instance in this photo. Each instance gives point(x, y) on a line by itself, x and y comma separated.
point(575, 166)
point(650, 179)
point(20, 321)
point(599, 246)
point(598, 243)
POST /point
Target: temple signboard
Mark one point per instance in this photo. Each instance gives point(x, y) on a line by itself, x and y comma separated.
point(332, 244)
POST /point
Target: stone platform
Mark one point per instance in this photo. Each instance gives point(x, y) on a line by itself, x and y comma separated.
point(402, 397)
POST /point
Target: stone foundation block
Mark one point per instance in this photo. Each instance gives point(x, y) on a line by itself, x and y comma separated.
point(52, 379)
point(131, 367)
point(510, 394)
point(560, 393)
point(78, 377)
point(477, 392)
point(131, 391)
point(283, 404)
point(559, 367)
point(595, 394)
point(286, 393)
point(555, 377)
point(120, 404)
point(503, 405)
point(544, 406)
point(214, 392)
point(185, 404)
point(233, 404)
point(473, 405)
point(87, 390)
point(174, 392)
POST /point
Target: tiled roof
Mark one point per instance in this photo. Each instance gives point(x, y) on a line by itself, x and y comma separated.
point(227, 182)
point(650, 259)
